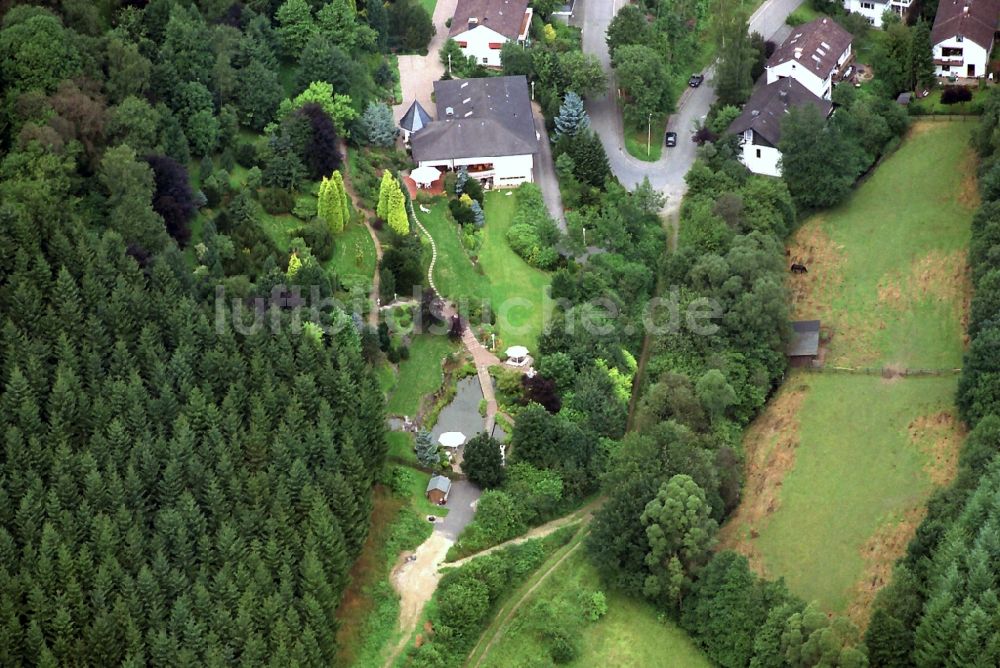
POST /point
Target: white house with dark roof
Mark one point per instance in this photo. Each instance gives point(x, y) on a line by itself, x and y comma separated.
point(963, 35)
point(814, 54)
point(482, 27)
point(759, 124)
point(873, 10)
point(484, 125)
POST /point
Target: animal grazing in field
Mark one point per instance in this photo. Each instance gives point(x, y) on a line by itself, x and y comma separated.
point(799, 268)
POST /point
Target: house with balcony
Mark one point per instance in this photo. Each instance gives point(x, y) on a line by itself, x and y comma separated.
point(873, 10)
point(815, 55)
point(482, 27)
point(963, 36)
point(759, 124)
point(485, 125)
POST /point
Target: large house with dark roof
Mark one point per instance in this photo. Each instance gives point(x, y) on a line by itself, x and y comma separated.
point(759, 124)
point(814, 54)
point(481, 27)
point(484, 125)
point(963, 35)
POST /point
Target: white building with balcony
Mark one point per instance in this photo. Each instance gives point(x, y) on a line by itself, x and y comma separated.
point(963, 36)
point(484, 125)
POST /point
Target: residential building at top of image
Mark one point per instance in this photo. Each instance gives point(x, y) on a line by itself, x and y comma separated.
point(482, 27)
point(963, 35)
point(874, 9)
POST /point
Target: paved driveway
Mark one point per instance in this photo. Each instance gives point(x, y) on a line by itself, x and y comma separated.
point(667, 174)
point(417, 74)
point(545, 170)
point(460, 511)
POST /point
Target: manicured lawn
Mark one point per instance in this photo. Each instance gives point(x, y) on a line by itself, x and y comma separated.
point(932, 103)
point(515, 290)
point(840, 465)
point(401, 447)
point(803, 14)
point(887, 267)
point(635, 139)
point(419, 375)
point(628, 635)
point(429, 5)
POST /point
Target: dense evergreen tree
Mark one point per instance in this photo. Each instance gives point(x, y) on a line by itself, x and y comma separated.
point(572, 118)
point(482, 461)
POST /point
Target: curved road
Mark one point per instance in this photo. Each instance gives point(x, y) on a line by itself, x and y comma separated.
point(666, 174)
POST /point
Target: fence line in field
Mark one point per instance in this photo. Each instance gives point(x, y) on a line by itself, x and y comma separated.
point(887, 372)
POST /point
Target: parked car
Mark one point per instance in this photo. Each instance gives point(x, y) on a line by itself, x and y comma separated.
point(670, 139)
point(696, 80)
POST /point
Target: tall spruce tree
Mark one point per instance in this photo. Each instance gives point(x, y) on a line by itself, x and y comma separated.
point(572, 118)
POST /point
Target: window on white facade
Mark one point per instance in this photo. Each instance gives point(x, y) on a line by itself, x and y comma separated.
point(485, 60)
point(758, 153)
point(959, 39)
point(867, 5)
point(871, 21)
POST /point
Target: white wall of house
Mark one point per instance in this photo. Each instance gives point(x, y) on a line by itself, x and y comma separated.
point(971, 54)
point(508, 170)
point(758, 158)
point(484, 43)
point(816, 85)
point(870, 9)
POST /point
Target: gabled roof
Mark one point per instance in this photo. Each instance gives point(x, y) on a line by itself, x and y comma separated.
point(766, 108)
point(440, 483)
point(974, 20)
point(503, 16)
point(488, 117)
point(415, 118)
point(816, 46)
point(805, 338)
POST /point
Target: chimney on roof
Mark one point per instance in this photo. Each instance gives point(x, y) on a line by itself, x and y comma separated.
point(755, 113)
point(473, 22)
point(965, 10)
point(783, 96)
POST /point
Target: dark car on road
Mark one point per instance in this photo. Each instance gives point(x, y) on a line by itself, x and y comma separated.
point(696, 80)
point(670, 139)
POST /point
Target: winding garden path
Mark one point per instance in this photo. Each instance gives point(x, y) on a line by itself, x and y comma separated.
point(481, 357)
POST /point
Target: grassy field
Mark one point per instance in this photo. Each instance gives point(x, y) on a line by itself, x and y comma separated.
point(840, 465)
point(419, 375)
point(887, 267)
point(354, 252)
point(630, 634)
point(515, 289)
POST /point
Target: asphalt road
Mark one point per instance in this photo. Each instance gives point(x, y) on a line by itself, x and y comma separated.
point(666, 174)
point(460, 511)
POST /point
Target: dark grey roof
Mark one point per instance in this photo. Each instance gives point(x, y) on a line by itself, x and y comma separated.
point(506, 17)
point(975, 20)
point(489, 117)
point(415, 118)
point(766, 108)
point(440, 483)
point(815, 45)
point(805, 338)
point(904, 98)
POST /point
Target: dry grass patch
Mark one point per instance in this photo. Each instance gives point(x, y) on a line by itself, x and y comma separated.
point(771, 443)
point(939, 437)
point(880, 553)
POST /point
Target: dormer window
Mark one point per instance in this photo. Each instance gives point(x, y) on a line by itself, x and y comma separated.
point(960, 38)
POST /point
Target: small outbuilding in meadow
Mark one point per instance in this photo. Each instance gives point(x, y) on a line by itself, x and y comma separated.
point(804, 346)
